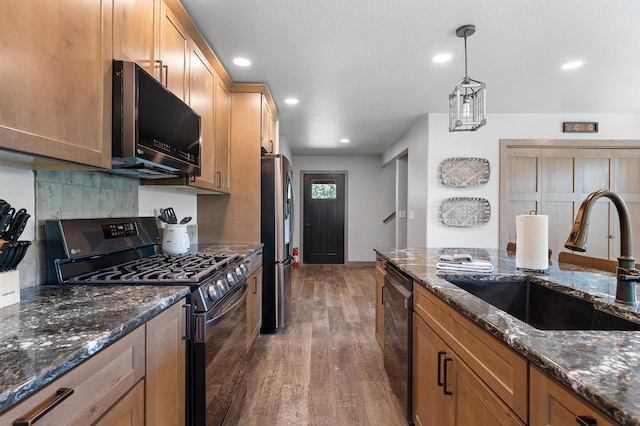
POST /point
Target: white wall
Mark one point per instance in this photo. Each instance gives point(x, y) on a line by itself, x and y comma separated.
point(414, 144)
point(370, 198)
point(152, 198)
point(439, 143)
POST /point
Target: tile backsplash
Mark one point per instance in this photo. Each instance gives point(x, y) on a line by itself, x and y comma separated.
point(76, 194)
point(65, 194)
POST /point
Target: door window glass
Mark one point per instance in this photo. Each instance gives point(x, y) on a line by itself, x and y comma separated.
point(323, 189)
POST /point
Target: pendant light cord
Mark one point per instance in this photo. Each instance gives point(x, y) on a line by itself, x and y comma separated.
point(466, 76)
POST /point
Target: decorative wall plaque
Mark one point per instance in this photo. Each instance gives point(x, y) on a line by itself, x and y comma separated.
point(579, 127)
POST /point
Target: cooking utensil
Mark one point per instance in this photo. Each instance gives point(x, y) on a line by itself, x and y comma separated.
point(170, 214)
point(162, 219)
point(185, 220)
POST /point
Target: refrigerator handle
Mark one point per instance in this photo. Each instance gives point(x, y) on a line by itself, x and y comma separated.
point(293, 208)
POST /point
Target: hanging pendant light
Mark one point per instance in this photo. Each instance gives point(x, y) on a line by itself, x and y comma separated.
point(467, 102)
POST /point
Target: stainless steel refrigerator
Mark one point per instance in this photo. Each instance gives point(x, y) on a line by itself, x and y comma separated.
point(277, 221)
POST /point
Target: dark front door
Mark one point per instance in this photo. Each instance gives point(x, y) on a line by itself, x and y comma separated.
point(323, 233)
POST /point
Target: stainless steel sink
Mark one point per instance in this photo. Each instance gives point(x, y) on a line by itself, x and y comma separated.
point(543, 307)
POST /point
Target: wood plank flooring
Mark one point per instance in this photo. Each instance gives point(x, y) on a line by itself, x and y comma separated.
point(326, 367)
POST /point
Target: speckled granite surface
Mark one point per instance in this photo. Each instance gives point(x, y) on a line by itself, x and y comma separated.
point(601, 366)
point(55, 328)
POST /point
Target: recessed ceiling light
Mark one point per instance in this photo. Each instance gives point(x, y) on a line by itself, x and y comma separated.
point(442, 58)
point(291, 101)
point(344, 140)
point(242, 62)
point(572, 65)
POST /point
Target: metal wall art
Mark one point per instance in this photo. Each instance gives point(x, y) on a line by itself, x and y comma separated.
point(465, 211)
point(464, 172)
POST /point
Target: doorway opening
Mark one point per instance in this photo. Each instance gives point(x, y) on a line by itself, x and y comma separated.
point(323, 218)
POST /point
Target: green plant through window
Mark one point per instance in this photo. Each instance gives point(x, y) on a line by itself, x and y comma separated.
point(323, 190)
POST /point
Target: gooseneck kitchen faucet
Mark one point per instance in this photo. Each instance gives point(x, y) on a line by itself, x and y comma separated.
point(626, 272)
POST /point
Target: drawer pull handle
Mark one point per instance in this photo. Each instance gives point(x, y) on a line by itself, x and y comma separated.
point(444, 389)
point(48, 405)
point(586, 420)
point(440, 355)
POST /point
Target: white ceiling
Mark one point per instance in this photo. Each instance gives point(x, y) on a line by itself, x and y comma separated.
point(362, 70)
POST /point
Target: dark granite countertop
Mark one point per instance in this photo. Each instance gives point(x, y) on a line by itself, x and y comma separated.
point(601, 366)
point(55, 328)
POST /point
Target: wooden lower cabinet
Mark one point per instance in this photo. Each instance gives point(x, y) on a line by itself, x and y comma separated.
point(461, 374)
point(254, 306)
point(98, 385)
point(379, 302)
point(445, 389)
point(554, 405)
point(166, 368)
point(138, 379)
point(128, 411)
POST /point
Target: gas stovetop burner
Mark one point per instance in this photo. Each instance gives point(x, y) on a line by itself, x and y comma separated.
point(160, 269)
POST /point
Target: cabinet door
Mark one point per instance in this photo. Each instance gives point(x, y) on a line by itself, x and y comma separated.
point(173, 54)
point(133, 32)
point(431, 406)
point(475, 403)
point(223, 137)
point(202, 83)
point(128, 411)
point(267, 139)
point(254, 306)
point(379, 303)
point(166, 371)
point(551, 404)
point(56, 79)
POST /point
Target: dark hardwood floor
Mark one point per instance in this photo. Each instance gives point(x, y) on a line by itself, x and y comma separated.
point(326, 367)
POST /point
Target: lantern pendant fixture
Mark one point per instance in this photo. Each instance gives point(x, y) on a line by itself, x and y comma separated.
point(467, 102)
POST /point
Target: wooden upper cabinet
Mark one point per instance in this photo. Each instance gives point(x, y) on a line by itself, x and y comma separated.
point(268, 136)
point(202, 86)
point(223, 137)
point(134, 32)
point(56, 79)
point(172, 56)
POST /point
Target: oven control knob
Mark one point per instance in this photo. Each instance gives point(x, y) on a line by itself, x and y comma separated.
point(222, 286)
point(212, 292)
point(245, 269)
point(232, 279)
point(240, 272)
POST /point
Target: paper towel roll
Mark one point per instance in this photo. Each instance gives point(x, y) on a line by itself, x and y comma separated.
point(532, 242)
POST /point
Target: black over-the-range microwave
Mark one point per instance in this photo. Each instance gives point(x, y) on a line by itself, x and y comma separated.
point(155, 134)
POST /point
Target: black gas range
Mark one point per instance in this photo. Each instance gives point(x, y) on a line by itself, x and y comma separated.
point(126, 251)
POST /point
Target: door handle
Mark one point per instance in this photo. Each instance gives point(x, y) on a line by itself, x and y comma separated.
point(444, 387)
point(440, 355)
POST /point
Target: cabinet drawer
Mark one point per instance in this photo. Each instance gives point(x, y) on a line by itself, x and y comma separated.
point(502, 369)
point(554, 405)
point(97, 383)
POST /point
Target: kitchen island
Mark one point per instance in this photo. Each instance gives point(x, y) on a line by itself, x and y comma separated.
point(599, 366)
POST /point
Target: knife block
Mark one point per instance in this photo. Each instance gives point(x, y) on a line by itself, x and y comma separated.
point(9, 288)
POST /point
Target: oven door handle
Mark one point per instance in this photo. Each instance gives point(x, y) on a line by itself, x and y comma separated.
point(239, 297)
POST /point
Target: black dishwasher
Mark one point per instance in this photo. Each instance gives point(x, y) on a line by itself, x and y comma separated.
point(397, 298)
